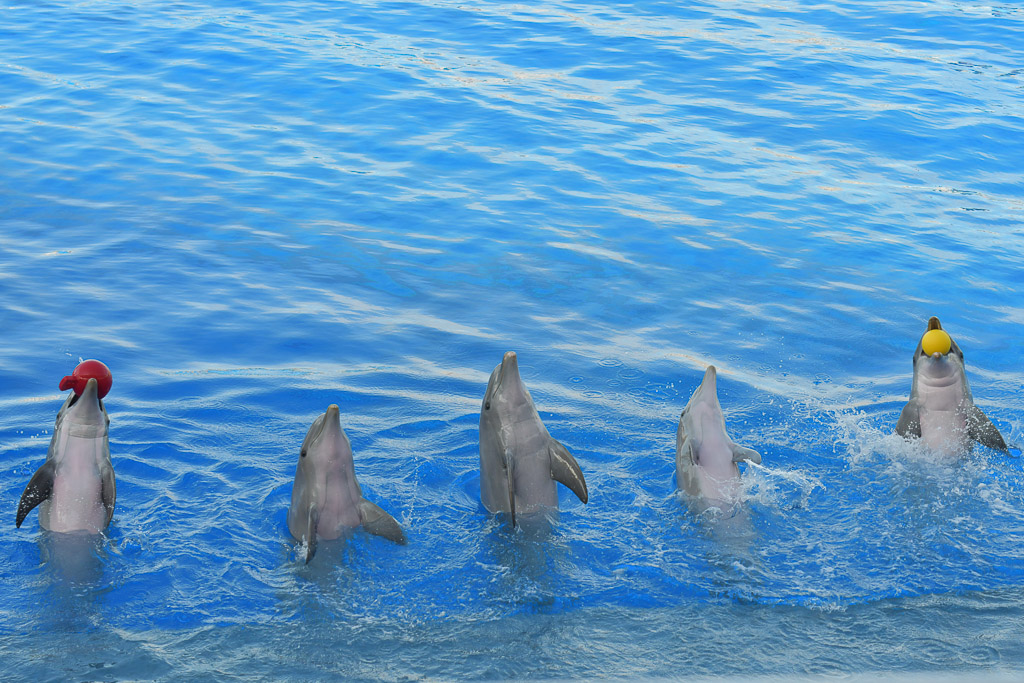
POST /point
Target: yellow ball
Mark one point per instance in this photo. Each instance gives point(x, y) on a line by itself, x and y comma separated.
point(936, 340)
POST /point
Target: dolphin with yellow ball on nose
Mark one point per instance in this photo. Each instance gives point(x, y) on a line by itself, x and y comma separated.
point(941, 410)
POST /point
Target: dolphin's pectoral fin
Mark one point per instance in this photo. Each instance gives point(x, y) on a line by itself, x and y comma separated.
point(684, 457)
point(510, 479)
point(690, 454)
point(108, 492)
point(39, 488)
point(981, 429)
point(312, 519)
point(379, 523)
point(909, 423)
point(565, 470)
point(743, 453)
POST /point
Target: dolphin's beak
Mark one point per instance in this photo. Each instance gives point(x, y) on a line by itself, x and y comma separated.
point(91, 391)
point(710, 378)
point(332, 421)
point(87, 408)
point(509, 363)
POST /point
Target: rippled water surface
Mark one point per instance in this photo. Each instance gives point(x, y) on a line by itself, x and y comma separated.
point(250, 211)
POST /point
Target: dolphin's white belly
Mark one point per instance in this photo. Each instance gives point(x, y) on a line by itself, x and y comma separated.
point(719, 489)
point(76, 502)
point(534, 486)
point(529, 441)
point(714, 455)
point(340, 507)
point(717, 475)
point(944, 431)
point(942, 417)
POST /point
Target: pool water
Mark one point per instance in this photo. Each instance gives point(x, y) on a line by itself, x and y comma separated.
point(250, 211)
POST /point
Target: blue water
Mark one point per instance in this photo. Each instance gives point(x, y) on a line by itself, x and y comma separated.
point(252, 210)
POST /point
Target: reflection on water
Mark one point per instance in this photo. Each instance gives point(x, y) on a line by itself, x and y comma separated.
point(524, 563)
point(72, 580)
point(74, 560)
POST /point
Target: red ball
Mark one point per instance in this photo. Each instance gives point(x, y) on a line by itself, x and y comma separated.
point(86, 370)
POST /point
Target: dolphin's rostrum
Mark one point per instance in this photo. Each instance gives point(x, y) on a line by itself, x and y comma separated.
point(519, 461)
point(706, 458)
point(326, 498)
point(941, 410)
point(75, 488)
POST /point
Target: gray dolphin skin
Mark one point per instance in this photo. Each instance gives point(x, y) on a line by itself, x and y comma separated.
point(706, 458)
point(941, 410)
point(326, 498)
point(519, 461)
point(75, 488)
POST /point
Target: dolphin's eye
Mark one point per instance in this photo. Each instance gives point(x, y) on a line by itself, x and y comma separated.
point(302, 454)
point(487, 406)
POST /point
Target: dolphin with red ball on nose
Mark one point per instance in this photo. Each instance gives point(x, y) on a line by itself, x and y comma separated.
point(74, 489)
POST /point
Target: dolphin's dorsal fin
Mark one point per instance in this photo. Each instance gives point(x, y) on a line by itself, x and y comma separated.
point(39, 488)
point(981, 429)
point(565, 470)
point(379, 523)
point(743, 453)
point(312, 519)
point(909, 423)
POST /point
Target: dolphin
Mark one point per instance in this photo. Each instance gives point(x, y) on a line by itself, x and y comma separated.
point(74, 488)
point(705, 455)
point(326, 498)
point(941, 410)
point(519, 461)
